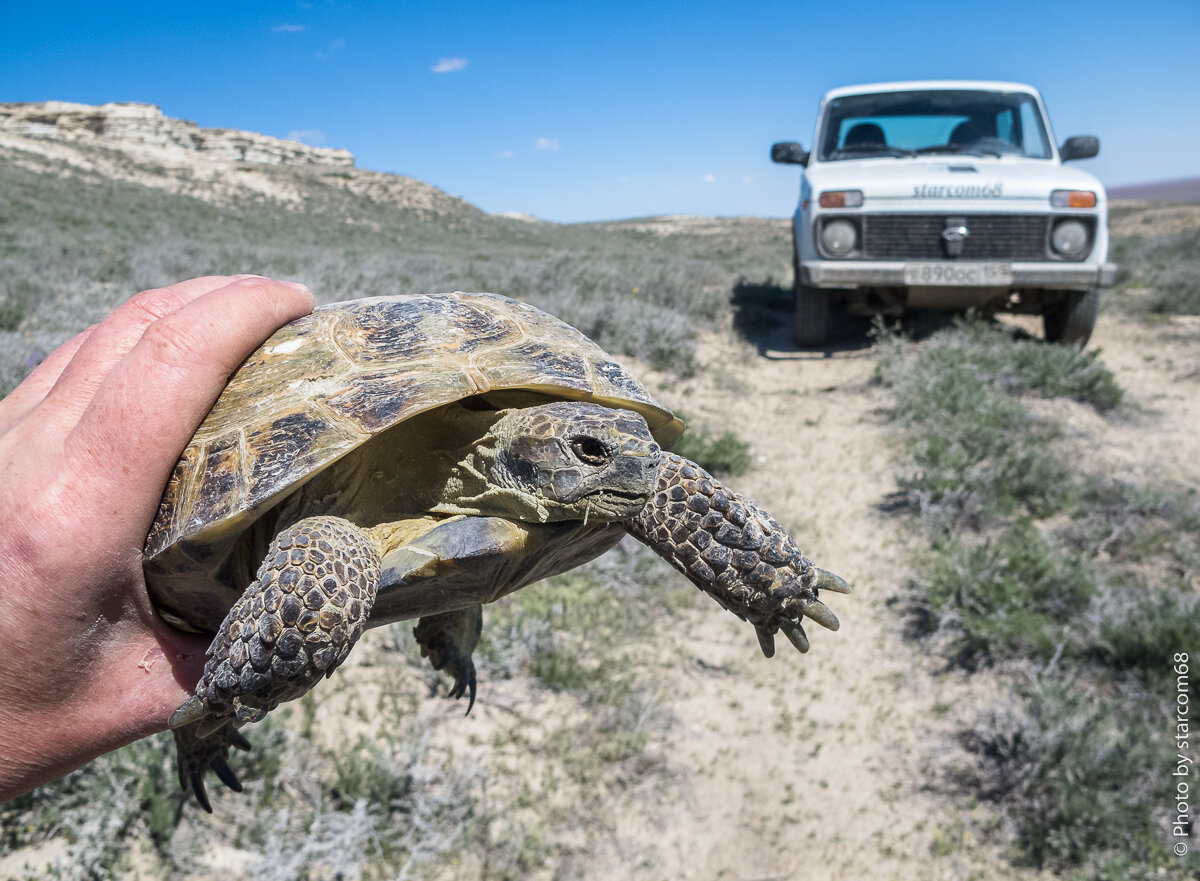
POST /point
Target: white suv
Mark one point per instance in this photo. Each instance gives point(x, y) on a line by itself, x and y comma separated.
point(945, 195)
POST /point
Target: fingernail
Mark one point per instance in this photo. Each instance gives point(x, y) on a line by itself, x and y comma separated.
point(296, 286)
point(245, 275)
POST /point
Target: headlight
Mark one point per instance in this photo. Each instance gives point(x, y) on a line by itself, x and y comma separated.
point(1069, 237)
point(839, 237)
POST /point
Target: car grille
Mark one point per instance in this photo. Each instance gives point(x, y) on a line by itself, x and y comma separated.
point(919, 236)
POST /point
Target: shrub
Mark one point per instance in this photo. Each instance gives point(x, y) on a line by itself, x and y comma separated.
point(1083, 781)
point(1159, 274)
point(720, 454)
point(1012, 595)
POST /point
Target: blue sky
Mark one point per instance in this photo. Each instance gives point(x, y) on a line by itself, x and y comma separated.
point(587, 111)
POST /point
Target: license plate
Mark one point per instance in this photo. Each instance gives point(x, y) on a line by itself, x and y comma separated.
point(947, 273)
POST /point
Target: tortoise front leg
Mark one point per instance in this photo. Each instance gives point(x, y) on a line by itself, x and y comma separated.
point(295, 623)
point(735, 552)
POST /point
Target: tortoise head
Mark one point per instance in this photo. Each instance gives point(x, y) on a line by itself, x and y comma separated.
point(577, 460)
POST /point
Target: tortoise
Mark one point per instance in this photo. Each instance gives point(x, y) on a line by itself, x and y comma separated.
point(418, 456)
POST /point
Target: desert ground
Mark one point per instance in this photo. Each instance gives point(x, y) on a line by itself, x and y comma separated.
point(835, 764)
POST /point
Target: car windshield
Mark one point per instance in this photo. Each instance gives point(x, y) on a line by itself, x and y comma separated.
point(968, 121)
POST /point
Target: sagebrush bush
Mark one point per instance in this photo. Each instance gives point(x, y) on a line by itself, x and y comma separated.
point(1069, 578)
point(975, 453)
point(1013, 595)
point(721, 453)
point(1083, 781)
point(75, 247)
point(1159, 274)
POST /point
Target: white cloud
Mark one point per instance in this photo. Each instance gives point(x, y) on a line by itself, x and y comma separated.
point(335, 46)
point(546, 144)
point(747, 179)
point(312, 137)
point(449, 65)
point(505, 154)
point(287, 29)
point(708, 178)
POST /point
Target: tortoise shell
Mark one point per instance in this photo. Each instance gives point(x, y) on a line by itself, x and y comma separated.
point(325, 384)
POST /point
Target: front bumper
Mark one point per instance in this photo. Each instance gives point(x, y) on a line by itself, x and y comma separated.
point(890, 273)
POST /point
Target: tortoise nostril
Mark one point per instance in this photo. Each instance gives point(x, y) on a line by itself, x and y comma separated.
point(589, 450)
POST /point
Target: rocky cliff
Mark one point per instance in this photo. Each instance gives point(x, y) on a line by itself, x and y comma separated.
point(138, 144)
point(144, 124)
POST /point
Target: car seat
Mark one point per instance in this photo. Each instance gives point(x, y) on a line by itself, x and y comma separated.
point(865, 134)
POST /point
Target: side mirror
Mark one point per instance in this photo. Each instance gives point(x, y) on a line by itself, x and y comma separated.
point(789, 153)
point(1079, 147)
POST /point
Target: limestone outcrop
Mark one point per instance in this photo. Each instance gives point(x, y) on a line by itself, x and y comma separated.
point(127, 123)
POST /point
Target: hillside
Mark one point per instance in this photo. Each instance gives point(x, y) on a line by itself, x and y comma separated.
point(627, 727)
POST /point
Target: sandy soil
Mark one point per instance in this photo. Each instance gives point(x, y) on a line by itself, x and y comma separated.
point(817, 766)
point(830, 765)
point(826, 765)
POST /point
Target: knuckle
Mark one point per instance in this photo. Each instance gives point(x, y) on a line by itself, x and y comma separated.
point(174, 343)
point(152, 305)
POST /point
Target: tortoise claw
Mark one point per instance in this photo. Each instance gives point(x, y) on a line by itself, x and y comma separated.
point(766, 640)
point(197, 781)
point(826, 580)
point(820, 613)
point(197, 754)
point(795, 634)
point(464, 681)
point(221, 768)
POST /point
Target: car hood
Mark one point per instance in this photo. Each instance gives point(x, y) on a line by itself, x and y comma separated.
point(942, 178)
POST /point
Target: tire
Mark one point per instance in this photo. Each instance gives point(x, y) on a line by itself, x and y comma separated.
point(811, 326)
point(1071, 320)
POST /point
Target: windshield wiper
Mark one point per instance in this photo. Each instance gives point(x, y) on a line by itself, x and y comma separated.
point(861, 150)
point(956, 148)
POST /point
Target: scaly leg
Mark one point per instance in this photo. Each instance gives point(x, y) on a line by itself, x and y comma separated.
point(735, 552)
point(294, 624)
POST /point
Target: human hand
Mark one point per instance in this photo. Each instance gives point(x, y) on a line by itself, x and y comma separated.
point(87, 443)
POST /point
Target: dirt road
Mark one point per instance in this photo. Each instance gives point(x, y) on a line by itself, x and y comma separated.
point(826, 765)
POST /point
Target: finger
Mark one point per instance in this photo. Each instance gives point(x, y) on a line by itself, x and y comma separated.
point(40, 380)
point(143, 414)
point(113, 338)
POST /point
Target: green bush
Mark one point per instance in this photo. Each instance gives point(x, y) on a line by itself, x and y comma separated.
point(83, 246)
point(1013, 595)
point(986, 355)
point(1075, 582)
point(1159, 274)
point(720, 454)
point(975, 453)
point(1141, 636)
point(11, 316)
point(1084, 781)
point(1150, 535)
point(104, 809)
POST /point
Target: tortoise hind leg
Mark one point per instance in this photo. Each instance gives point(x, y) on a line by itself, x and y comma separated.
point(448, 639)
point(196, 755)
point(295, 623)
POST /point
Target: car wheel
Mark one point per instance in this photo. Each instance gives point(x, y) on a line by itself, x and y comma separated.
point(811, 312)
point(1070, 321)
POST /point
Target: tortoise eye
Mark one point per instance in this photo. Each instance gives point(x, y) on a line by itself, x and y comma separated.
point(589, 450)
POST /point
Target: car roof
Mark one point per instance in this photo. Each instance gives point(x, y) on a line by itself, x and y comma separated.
point(917, 85)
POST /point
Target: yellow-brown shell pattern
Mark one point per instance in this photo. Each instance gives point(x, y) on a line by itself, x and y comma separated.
point(325, 384)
